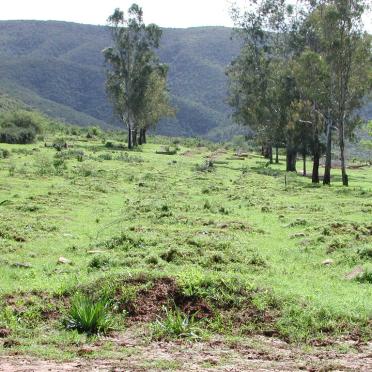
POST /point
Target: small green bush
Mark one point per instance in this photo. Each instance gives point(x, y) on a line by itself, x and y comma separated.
point(365, 253)
point(88, 316)
point(365, 277)
point(207, 166)
point(99, 262)
point(20, 127)
point(4, 154)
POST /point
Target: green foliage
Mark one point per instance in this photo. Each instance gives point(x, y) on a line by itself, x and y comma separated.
point(4, 153)
point(365, 276)
point(88, 316)
point(21, 126)
point(131, 62)
point(175, 324)
point(207, 166)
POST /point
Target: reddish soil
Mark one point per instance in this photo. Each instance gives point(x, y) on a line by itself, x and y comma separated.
point(149, 304)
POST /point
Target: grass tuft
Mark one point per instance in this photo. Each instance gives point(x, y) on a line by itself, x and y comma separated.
point(88, 316)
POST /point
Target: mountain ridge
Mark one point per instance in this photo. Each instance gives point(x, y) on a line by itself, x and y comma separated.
point(61, 62)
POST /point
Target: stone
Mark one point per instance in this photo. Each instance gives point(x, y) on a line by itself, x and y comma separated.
point(298, 235)
point(64, 261)
point(357, 271)
point(328, 262)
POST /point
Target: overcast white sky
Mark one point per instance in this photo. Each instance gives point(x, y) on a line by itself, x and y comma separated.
point(165, 13)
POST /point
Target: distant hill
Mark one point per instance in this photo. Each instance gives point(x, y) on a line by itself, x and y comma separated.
point(57, 67)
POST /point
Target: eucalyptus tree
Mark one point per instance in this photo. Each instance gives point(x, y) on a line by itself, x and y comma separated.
point(130, 62)
point(261, 87)
point(312, 79)
point(337, 25)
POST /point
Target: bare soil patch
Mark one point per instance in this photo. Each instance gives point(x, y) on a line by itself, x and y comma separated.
point(149, 303)
point(254, 354)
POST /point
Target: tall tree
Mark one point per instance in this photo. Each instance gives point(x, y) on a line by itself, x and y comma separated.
point(312, 79)
point(347, 51)
point(261, 85)
point(130, 63)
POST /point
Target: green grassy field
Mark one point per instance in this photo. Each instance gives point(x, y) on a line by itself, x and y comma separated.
point(231, 247)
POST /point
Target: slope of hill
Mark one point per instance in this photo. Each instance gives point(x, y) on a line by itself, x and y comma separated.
point(58, 68)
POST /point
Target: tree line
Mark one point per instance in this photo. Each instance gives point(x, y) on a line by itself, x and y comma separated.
point(302, 73)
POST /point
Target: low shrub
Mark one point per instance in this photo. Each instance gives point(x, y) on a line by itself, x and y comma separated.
point(20, 127)
point(4, 154)
point(129, 158)
point(365, 277)
point(207, 166)
point(99, 262)
point(105, 156)
point(14, 135)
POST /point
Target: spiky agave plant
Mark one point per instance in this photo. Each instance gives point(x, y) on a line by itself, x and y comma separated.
point(88, 316)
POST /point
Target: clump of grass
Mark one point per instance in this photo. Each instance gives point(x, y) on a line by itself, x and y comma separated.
point(4, 153)
point(298, 222)
point(125, 157)
point(85, 170)
point(176, 325)
point(365, 277)
point(170, 255)
point(88, 316)
point(100, 262)
point(257, 260)
point(105, 156)
point(167, 150)
point(122, 241)
point(207, 166)
point(365, 253)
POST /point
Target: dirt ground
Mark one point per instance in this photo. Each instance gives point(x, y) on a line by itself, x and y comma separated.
point(255, 354)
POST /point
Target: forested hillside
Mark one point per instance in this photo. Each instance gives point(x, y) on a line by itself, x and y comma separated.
point(58, 68)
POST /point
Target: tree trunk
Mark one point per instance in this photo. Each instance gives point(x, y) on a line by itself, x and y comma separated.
point(134, 134)
point(276, 155)
point(271, 154)
point(304, 161)
point(291, 160)
point(130, 143)
point(144, 140)
point(140, 137)
point(345, 179)
point(328, 162)
point(315, 174)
